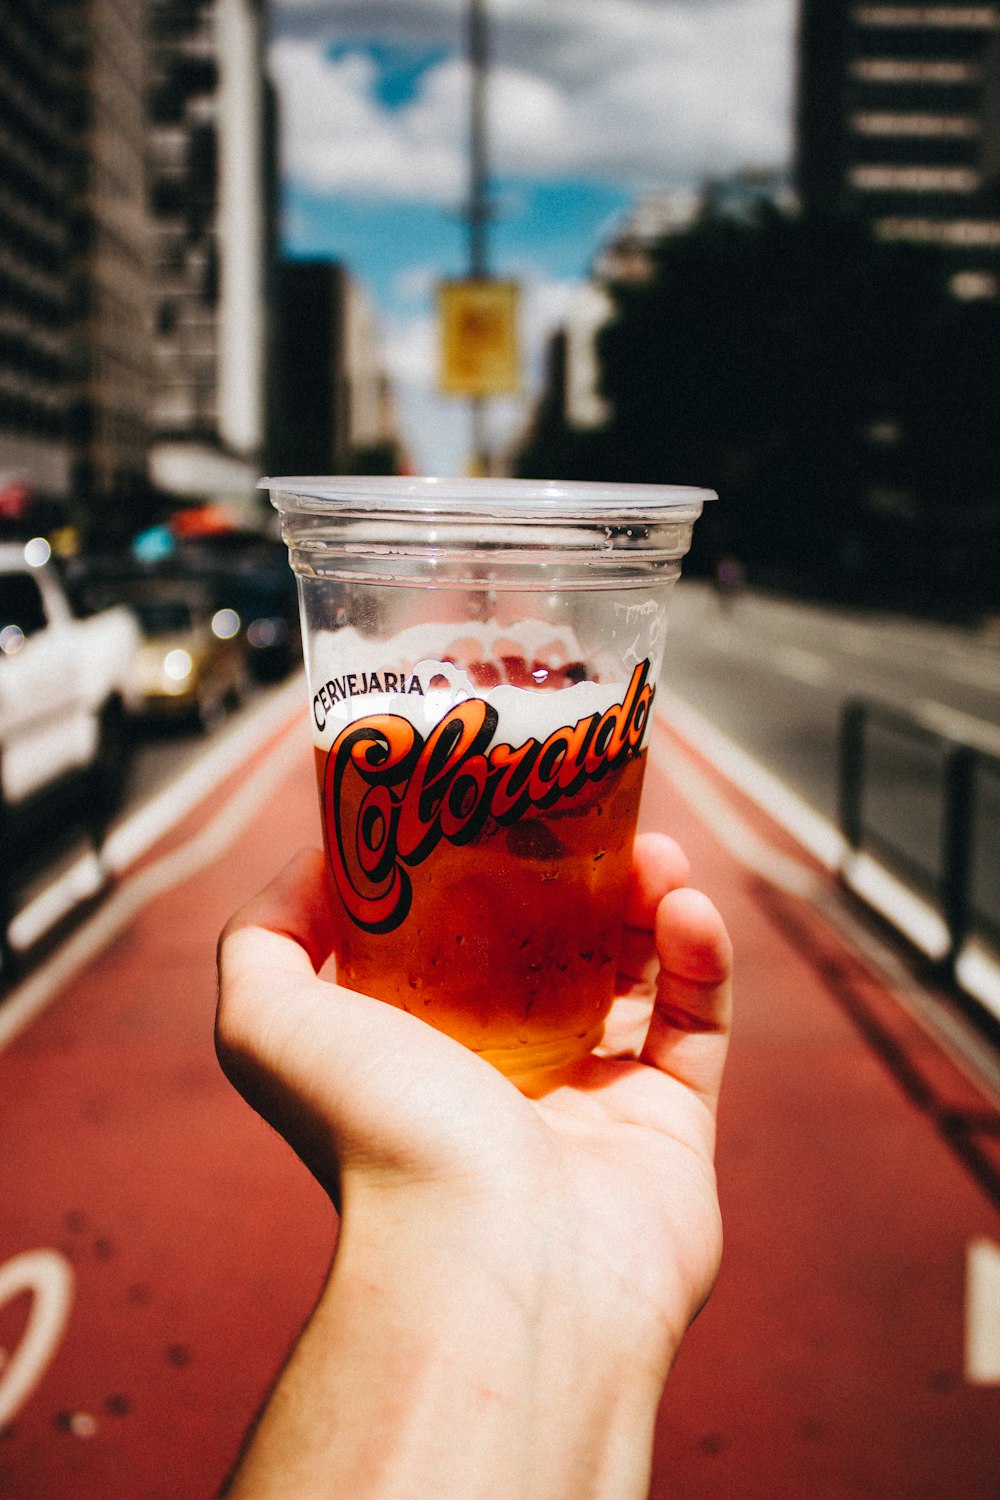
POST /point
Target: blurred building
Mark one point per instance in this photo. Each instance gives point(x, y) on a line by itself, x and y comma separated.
point(74, 344)
point(331, 404)
point(626, 255)
point(109, 326)
point(36, 175)
point(627, 258)
point(898, 120)
point(212, 200)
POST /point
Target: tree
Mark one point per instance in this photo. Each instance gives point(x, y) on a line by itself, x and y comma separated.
point(798, 366)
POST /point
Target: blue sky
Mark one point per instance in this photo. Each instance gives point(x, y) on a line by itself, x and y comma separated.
point(592, 106)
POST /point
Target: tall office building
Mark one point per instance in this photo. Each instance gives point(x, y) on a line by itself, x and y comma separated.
point(109, 328)
point(898, 121)
point(74, 346)
point(36, 174)
point(211, 148)
point(331, 407)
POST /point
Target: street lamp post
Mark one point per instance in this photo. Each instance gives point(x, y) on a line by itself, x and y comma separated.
point(478, 211)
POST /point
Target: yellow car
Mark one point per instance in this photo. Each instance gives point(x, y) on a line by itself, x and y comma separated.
point(192, 661)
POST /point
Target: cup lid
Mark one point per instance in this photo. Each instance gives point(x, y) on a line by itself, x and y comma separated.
point(495, 498)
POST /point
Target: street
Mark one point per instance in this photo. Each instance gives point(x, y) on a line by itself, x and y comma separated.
point(159, 1248)
point(774, 676)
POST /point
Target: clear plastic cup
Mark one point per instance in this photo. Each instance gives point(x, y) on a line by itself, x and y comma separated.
point(482, 659)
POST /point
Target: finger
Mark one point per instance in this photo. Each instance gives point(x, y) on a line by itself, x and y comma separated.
point(273, 945)
point(342, 1076)
point(287, 926)
point(659, 865)
point(689, 1028)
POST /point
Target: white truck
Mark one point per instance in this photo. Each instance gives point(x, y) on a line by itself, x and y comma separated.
point(64, 696)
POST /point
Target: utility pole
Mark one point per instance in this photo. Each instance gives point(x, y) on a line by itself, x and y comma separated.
point(478, 211)
point(478, 312)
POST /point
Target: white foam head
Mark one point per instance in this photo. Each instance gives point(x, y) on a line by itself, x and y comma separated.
point(428, 667)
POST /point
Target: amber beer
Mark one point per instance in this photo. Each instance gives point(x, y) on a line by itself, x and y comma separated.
point(481, 657)
point(482, 883)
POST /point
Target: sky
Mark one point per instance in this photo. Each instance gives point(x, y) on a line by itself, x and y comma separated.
point(591, 106)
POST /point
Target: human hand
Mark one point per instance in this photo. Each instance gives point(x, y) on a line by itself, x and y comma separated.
point(568, 1226)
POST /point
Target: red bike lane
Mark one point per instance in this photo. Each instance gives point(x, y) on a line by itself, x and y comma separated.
point(160, 1247)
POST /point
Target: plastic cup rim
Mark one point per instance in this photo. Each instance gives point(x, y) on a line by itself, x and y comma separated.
point(581, 500)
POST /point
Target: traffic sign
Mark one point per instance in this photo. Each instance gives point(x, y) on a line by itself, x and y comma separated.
point(479, 337)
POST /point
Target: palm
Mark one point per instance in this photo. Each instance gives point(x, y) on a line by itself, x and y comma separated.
point(620, 1143)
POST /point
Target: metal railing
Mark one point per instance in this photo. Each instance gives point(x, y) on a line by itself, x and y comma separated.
point(949, 865)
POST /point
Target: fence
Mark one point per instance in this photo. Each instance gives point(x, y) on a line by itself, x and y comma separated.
point(928, 807)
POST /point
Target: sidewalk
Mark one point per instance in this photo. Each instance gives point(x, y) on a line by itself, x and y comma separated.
point(187, 1244)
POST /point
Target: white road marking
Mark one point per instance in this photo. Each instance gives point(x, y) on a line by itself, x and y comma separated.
point(142, 829)
point(982, 1303)
point(918, 921)
point(49, 1278)
point(802, 666)
point(982, 1313)
point(814, 832)
point(84, 878)
point(923, 926)
point(29, 999)
point(954, 725)
point(978, 974)
point(138, 832)
point(732, 832)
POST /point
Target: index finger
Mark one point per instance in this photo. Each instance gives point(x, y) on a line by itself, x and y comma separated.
point(287, 927)
point(659, 865)
point(689, 1027)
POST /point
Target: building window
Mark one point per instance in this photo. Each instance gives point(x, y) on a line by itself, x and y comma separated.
point(881, 179)
point(884, 122)
point(913, 70)
point(963, 17)
point(975, 286)
point(965, 234)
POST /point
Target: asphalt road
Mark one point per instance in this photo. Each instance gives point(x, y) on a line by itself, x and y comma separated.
point(773, 675)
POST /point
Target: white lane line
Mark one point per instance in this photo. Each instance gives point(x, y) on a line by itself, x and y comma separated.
point(801, 666)
point(138, 832)
point(48, 1276)
point(84, 878)
point(810, 828)
point(954, 725)
point(924, 927)
point(920, 924)
point(982, 1313)
point(974, 664)
point(29, 999)
point(980, 674)
point(978, 974)
point(732, 832)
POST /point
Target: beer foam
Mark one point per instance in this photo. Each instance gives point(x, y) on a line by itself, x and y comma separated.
point(348, 672)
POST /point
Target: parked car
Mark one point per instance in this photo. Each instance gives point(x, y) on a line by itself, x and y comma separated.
point(66, 688)
point(192, 661)
point(251, 575)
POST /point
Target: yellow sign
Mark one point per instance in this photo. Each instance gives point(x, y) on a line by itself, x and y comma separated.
point(479, 344)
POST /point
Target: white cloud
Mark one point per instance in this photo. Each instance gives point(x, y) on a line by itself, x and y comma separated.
point(416, 284)
point(642, 94)
point(617, 89)
point(336, 138)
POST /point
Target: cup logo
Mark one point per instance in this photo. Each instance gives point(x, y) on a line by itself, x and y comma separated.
point(390, 795)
